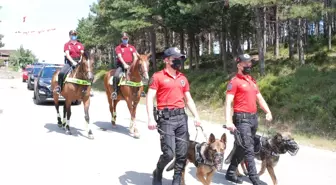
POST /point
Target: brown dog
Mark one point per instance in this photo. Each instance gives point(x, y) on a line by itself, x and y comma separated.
point(268, 150)
point(207, 157)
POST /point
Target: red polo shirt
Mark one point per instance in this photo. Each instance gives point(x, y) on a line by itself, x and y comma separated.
point(74, 48)
point(170, 91)
point(245, 90)
point(126, 52)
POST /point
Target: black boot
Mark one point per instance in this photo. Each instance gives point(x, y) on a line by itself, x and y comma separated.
point(157, 177)
point(255, 180)
point(115, 88)
point(231, 175)
point(177, 180)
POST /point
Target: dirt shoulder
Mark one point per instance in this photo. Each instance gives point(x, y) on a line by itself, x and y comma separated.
point(7, 73)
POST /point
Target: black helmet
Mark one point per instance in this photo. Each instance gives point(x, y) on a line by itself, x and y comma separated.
point(72, 32)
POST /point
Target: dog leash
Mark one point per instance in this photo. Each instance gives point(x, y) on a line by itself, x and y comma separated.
point(206, 138)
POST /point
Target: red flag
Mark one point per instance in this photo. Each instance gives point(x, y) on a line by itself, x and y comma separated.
point(24, 18)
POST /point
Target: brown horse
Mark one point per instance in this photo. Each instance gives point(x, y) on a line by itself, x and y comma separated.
point(131, 86)
point(77, 86)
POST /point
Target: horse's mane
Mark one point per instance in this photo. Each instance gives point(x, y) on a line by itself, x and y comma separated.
point(86, 54)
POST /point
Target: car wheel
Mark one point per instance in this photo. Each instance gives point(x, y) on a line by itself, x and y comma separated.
point(37, 100)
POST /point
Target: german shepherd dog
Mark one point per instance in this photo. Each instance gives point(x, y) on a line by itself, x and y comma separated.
point(207, 157)
point(268, 150)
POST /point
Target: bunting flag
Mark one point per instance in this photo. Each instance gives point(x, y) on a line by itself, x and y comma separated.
point(32, 32)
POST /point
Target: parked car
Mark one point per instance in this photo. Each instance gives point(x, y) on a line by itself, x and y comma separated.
point(26, 72)
point(32, 76)
point(42, 85)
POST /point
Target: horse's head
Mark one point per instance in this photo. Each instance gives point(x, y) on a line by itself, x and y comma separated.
point(87, 65)
point(143, 67)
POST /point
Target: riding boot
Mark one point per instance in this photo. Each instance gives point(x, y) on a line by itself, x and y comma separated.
point(60, 82)
point(231, 175)
point(177, 180)
point(115, 88)
point(157, 177)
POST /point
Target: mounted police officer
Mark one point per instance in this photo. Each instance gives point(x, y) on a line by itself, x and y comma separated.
point(171, 89)
point(73, 50)
point(243, 91)
point(127, 54)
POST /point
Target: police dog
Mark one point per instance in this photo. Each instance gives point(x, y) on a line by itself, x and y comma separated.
point(207, 157)
point(268, 150)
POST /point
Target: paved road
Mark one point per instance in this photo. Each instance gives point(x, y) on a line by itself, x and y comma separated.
point(35, 151)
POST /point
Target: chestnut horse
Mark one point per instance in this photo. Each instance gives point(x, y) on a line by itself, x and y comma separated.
point(77, 86)
point(130, 88)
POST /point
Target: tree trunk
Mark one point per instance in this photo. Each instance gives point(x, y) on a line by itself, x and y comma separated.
point(153, 47)
point(166, 38)
point(290, 39)
point(190, 52)
point(223, 41)
point(260, 39)
point(300, 42)
point(265, 33)
point(197, 50)
point(182, 44)
point(276, 33)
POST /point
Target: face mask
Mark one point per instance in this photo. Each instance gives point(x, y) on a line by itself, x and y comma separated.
point(125, 42)
point(73, 37)
point(247, 70)
point(176, 64)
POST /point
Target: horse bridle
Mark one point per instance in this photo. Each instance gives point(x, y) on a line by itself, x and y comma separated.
point(142, 72)
point(79, 64)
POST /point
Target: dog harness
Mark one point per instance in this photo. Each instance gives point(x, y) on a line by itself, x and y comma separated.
point(199, 157)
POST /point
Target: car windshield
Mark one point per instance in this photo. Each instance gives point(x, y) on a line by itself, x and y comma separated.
point(48, 72)
point(36, 70)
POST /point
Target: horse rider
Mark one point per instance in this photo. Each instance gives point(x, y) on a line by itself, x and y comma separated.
point(127, 54)
point(243, 91)
point(171, 89)
point(73, 50)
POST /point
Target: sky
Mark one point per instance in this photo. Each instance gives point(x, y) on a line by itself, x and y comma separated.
point(41, 15)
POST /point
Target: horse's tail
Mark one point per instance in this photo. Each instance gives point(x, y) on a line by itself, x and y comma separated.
point(171, 166)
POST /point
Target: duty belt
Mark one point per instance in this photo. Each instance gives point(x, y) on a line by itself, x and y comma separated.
point(171, 112)
point(245, 115)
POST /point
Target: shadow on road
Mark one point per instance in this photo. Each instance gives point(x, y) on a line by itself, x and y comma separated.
point(52, 127)
point(219, 177)
point(61, 103)
point(132, 177)
point(107, 126)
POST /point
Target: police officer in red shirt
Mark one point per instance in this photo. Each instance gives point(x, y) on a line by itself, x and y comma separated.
point(171, 89)
point(73, 50)
point(126, 55)
point(243, 91)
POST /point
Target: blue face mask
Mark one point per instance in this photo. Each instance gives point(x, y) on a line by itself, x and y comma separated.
point(73, 37)
point(125, 42)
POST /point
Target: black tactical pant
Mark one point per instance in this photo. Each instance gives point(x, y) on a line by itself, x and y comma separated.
point(120, 68)
point(247, 125)
point(175, 126)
